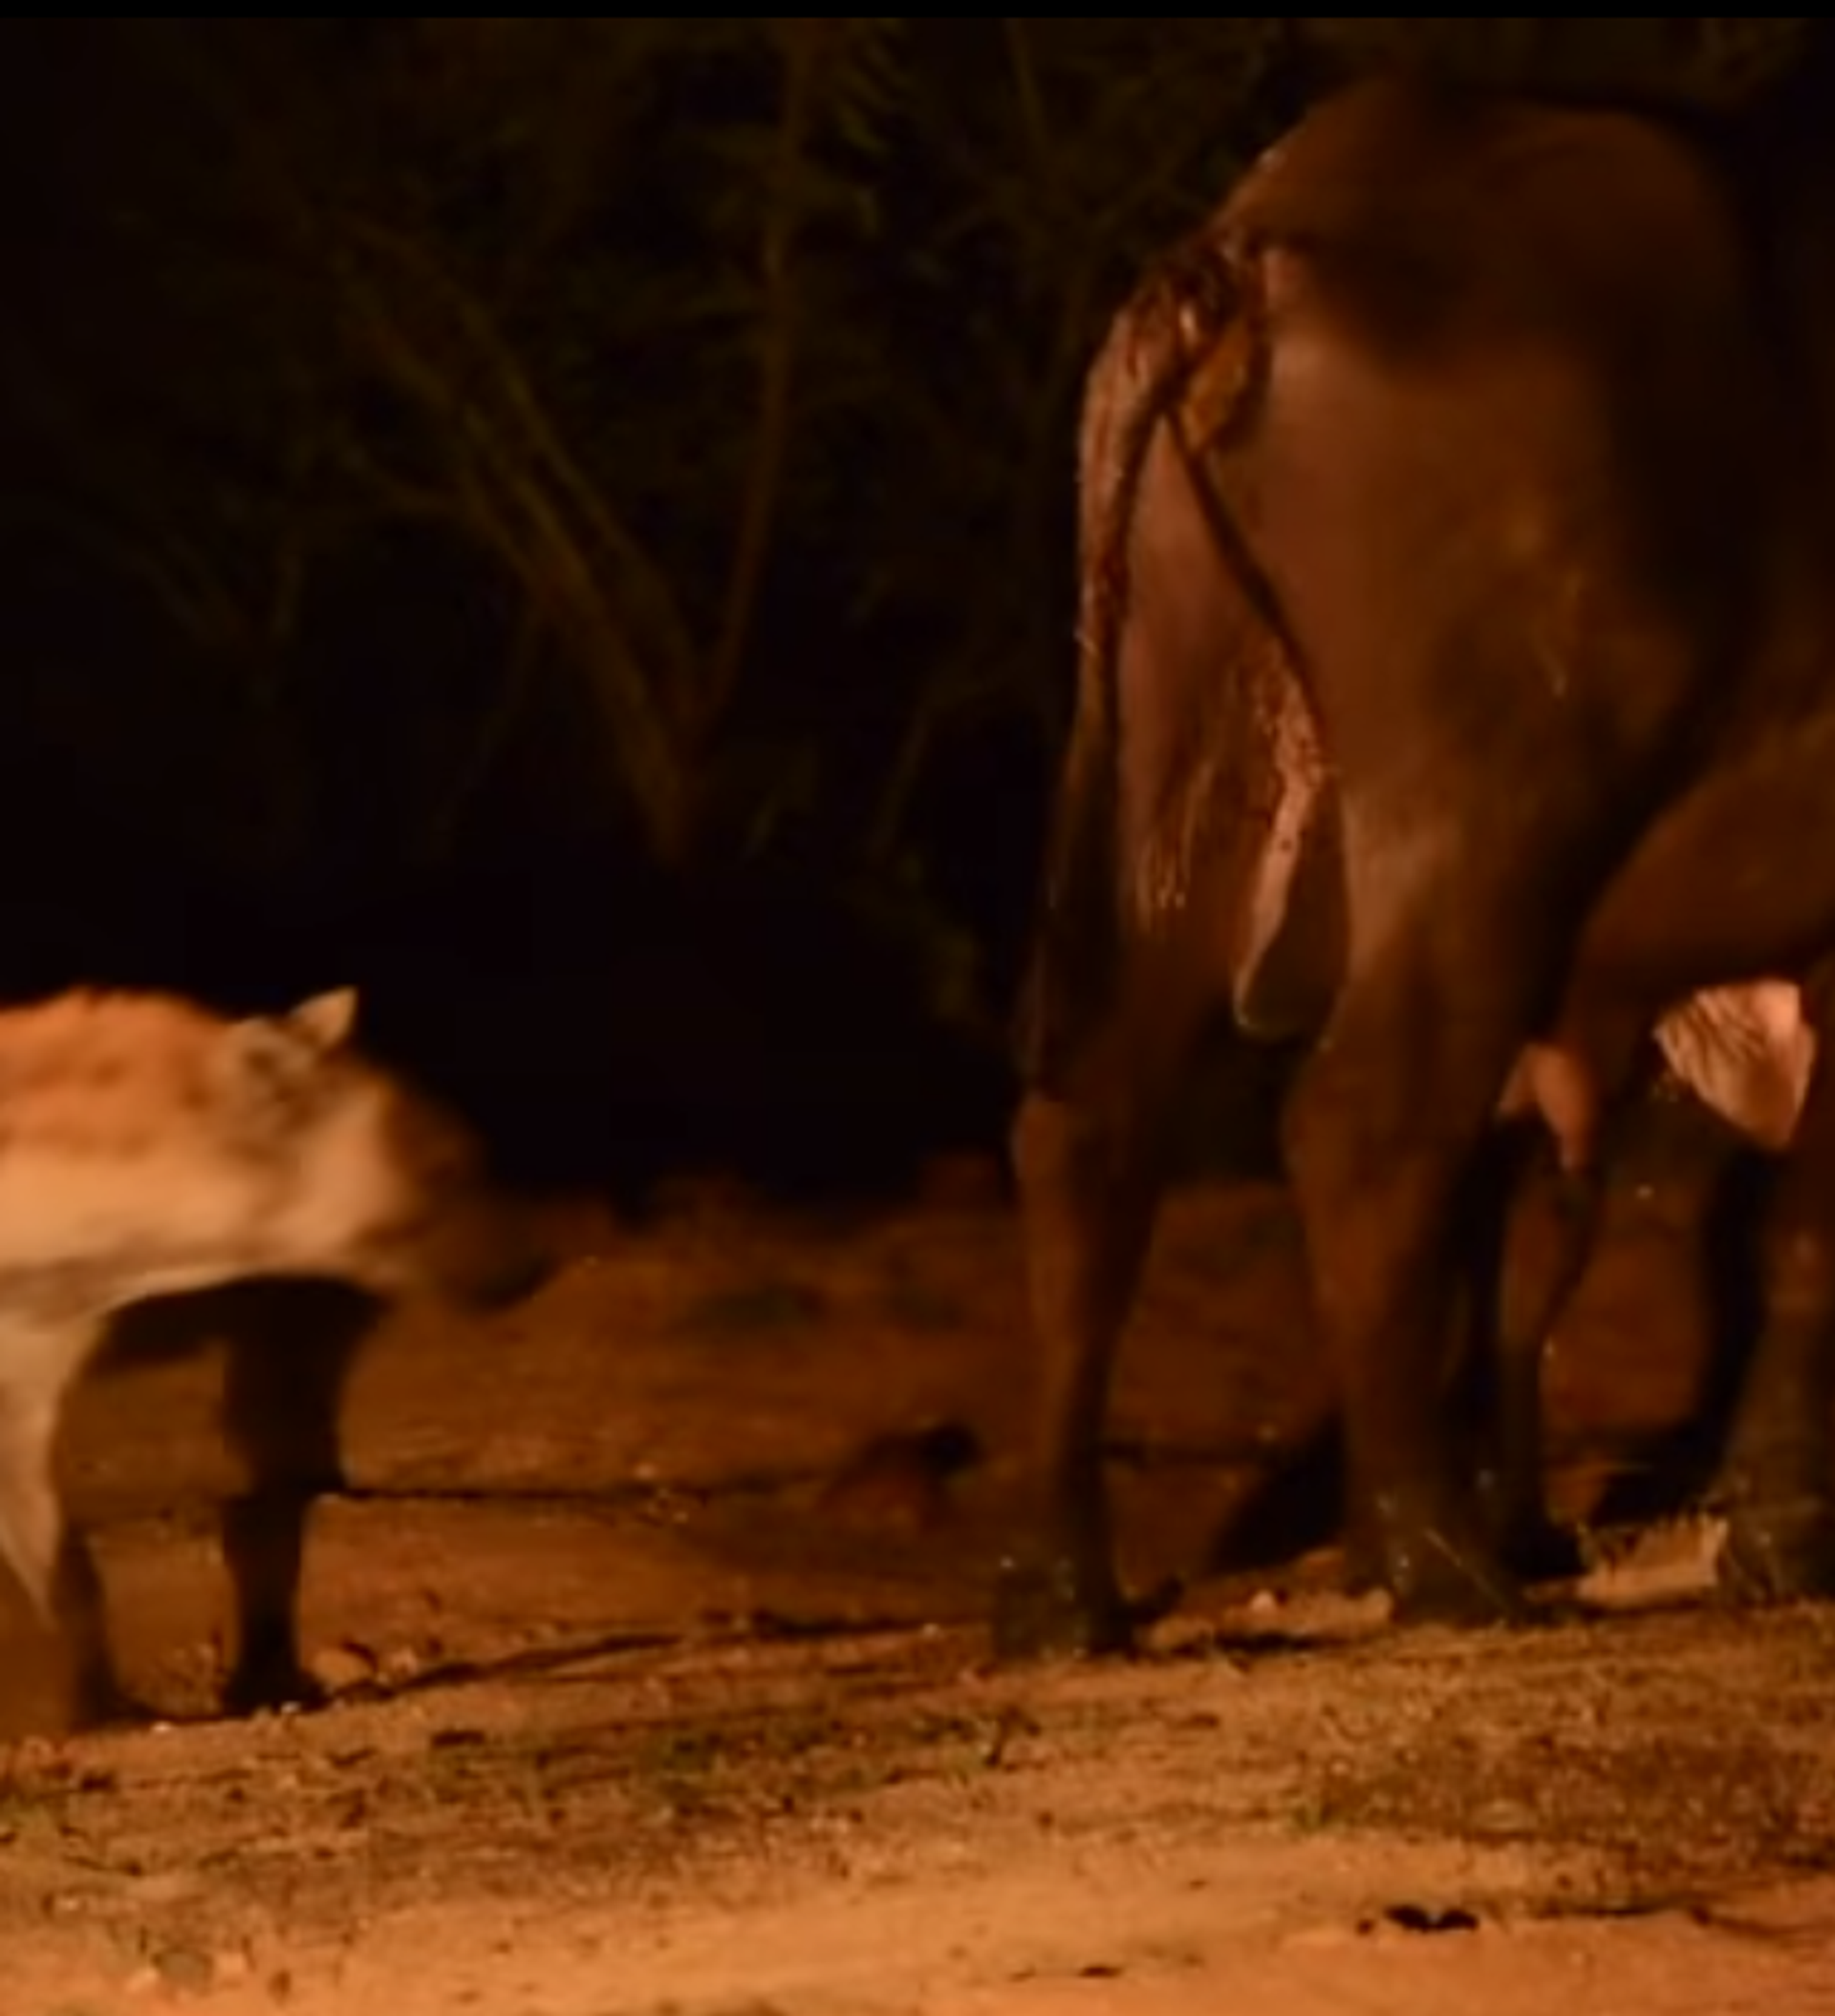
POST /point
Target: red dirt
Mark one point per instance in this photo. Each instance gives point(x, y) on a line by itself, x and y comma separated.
point(653, 1622)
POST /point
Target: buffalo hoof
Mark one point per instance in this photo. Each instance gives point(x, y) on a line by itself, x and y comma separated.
point(260, 1685)
point(1442, 1571)
point(1458, 1596)
point(98, 1701)
point(1541, 1552)
point(1779, 1552)
point(1528, 1543)
point(1048, 1610)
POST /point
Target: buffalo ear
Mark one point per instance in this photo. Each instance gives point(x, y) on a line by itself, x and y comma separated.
point(327, 1020)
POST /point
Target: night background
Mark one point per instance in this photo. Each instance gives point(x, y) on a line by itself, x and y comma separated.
point(567, 524)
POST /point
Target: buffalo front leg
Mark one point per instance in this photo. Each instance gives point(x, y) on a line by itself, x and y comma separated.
point(1384, 1130)
point(1775, 1479)
point(1088, 1158)
point(1548, 1201)
point(1550, 1217)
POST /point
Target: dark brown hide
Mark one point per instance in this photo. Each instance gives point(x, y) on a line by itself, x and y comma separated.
point(1520, 467)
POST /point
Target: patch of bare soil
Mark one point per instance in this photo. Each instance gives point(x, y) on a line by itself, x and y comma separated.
point(653, 1621)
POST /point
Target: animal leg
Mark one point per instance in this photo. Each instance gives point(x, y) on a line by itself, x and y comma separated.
point(1681, 913)
point(289, 1360)
point(1088, 1157)
point(1775, 1477)
point(1550, 1223)
point(1384, 1132)
point(52, 1565)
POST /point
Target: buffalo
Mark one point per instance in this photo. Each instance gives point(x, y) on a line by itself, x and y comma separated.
point(1457, 692)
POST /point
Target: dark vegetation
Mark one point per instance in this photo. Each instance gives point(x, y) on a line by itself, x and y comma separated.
point(567, 522)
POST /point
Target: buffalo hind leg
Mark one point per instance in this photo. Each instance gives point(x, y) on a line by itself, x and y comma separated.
point(1384, 1134)
point(1583, 1084)
point(1545, 1223)
point(1089, 1157)
point(1681, 1467)
point(1776, 1479)
point(1775, 1475)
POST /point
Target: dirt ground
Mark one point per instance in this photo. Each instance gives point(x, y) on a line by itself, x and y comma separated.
point(661, 1683)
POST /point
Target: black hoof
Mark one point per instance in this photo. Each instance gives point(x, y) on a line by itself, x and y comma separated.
point(1460, 1601)
point(1531, 1547)
point(1439, 1574)
point(270, 1685)
point(98, 1703)
point(1544, 1552)
point(1049, 1611)
point(1363, 1569)
point(1779, 1552)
